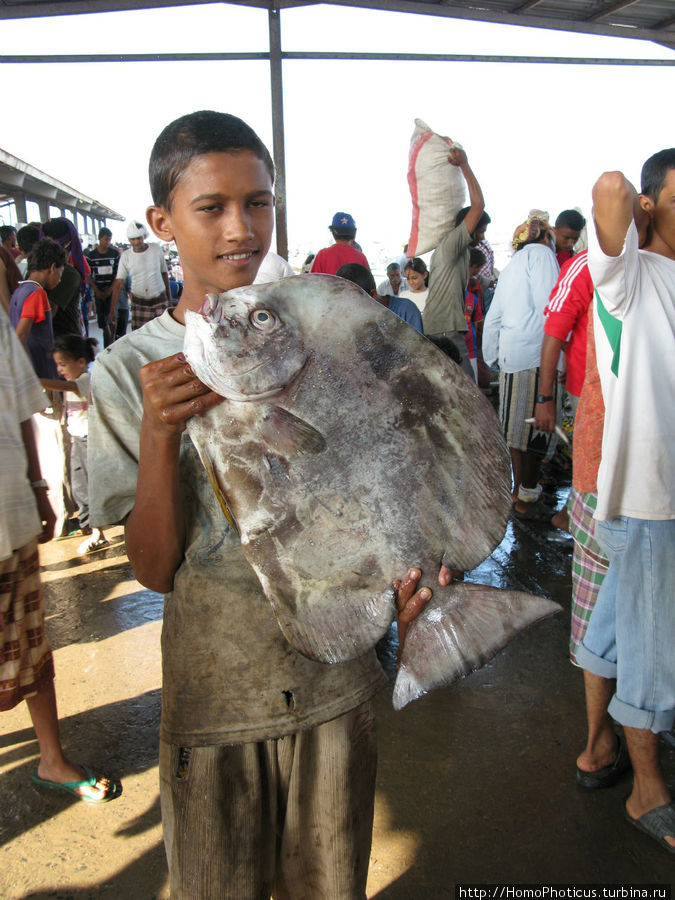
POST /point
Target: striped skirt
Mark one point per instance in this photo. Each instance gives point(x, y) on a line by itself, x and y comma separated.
point(517, 400)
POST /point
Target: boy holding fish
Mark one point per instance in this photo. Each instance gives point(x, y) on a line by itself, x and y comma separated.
point(267, 758)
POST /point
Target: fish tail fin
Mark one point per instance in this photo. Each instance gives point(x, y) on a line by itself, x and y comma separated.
point(462, 628)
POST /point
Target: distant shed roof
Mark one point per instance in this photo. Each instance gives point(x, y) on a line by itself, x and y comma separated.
point(651, 20)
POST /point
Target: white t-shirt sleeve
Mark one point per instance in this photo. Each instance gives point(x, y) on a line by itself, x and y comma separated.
point(123, 268)
point(615, 277)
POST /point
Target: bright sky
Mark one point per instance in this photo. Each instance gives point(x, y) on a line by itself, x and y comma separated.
point(536, 135)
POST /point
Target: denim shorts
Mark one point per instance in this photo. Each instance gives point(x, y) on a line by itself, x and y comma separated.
point(631, 633)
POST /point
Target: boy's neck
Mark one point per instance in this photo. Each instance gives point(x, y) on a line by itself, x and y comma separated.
point(38, 277)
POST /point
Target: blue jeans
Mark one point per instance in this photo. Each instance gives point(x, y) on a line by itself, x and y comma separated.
point(631, 633)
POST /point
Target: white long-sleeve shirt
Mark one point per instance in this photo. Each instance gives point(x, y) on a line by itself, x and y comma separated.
point(514, 326)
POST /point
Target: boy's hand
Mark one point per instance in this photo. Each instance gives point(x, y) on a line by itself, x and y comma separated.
point(172, 394)
point(47, 515)
point(410, 602)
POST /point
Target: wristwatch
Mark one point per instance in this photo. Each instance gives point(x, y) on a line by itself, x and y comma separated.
point(542, 399)
point(40, 483)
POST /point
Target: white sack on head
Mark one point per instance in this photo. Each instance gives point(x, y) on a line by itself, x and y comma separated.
point(437, 189)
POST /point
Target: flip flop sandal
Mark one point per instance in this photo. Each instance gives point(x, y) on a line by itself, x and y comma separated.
point(657, 823)
point(609, 775)
point(71, 787)
point(535, 512)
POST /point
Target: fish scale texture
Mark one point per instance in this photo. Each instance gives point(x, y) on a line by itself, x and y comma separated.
point(348, 449)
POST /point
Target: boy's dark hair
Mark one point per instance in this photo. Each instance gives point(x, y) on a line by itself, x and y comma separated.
point(654, 173)
point(194, 135)
point(56, 228)
point(45, 254)
point(27, 237)
point(483, 222)
point(6, 231)
point(477, 257)
point(358, 275)
point(76, 346)
point(104, 232)
point(347, 234)
point(570, 218)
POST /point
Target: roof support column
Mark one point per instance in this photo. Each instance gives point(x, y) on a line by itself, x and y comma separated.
point(20, 206)
point(278, 130)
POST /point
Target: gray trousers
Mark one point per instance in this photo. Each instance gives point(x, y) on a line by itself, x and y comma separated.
point(79, 479)
point(290, 817)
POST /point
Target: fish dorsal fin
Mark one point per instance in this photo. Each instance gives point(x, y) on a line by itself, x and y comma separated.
point(213, 481)
point(289, 435)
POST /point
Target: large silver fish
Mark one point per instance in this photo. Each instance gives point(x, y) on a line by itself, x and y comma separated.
point(348, 449)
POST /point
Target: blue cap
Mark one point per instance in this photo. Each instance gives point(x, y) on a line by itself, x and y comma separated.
point(342, 221)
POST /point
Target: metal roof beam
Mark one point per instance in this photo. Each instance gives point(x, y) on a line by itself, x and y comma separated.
point(523, 7)
point(454, 11)
point(27, 10)
point(331, 56)
point(608, 10)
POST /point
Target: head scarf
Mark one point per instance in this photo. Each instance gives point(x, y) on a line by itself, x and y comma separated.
point(69, 239)
point(530, 231)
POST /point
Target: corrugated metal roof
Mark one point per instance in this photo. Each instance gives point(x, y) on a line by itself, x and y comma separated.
point(652, 20)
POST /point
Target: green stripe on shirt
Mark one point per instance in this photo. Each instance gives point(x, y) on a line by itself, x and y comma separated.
point(612, 328)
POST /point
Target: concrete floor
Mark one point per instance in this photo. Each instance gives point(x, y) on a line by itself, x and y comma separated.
point(475, 785)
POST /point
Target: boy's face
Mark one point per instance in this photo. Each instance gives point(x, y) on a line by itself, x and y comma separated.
point(565, 238)
point(662, 215)
point(53, 277)
point(221, 218)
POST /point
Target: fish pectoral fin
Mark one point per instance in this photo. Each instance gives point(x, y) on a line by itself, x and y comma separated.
point(213, 481)
point(288, 435)
point(462, 627)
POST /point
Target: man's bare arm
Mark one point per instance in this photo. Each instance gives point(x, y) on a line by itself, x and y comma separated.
point(155, 530)
point(545, 413)
point(118, 284)
point(615, 206)
point(458, 158)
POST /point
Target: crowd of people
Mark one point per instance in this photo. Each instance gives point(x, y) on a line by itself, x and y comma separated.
point(283, 789)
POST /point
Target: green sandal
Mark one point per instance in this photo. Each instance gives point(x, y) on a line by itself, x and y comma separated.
point(113, 790)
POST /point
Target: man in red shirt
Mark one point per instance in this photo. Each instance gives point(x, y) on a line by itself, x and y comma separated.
point(329, 260)
point(568, 226)
point(566, 316)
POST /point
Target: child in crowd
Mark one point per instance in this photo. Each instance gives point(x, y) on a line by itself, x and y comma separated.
point(417, 276)
point(26, 520)
point(473, 310)
point(29, 309)
point(73, 356)
point(267, 758)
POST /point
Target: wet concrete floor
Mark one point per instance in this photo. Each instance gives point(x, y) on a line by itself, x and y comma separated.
point(475, 784)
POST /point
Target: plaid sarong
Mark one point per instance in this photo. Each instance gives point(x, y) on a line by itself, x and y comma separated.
point(143, 311)
point(25, 655)
point(589, 564)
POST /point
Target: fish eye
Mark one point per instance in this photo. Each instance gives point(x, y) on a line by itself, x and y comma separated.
point(263, 319)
